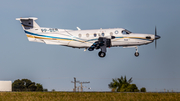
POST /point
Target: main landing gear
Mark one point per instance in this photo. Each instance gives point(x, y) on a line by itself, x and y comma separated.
point(102, 44)
point(136, 53)
point(102, 54)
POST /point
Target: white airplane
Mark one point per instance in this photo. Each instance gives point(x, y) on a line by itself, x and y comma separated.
point(88, 39)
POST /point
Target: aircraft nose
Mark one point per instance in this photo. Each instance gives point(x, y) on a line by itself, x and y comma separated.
point(157, 37)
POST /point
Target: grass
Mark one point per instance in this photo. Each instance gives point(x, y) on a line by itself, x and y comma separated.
point(87, 96)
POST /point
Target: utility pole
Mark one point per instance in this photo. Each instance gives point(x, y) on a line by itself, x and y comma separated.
point(74, 84)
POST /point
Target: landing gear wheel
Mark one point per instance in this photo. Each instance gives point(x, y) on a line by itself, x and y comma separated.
point(102, 54)
point(136, 54)
point(91, 48)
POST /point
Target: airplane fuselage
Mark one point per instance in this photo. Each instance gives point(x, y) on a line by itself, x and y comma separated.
point(85, 38)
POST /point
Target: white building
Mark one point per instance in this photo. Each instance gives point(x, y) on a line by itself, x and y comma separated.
point(5, 86)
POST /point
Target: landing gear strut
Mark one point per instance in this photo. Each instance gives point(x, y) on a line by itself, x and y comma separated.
point(136, 53)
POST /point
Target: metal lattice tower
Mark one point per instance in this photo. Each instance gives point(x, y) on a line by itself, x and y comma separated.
point(79, 83)
point(82, 85)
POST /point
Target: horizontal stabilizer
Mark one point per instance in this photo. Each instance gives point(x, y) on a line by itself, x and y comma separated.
point(129, 46)
point(28, 23)
point(33, 18)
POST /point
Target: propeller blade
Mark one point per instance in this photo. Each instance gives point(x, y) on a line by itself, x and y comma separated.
point(155, 31)
point(155, 37)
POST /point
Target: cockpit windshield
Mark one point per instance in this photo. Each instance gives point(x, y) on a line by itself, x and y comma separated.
point(126, 31)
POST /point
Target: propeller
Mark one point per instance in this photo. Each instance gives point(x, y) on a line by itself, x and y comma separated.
point(156, 37)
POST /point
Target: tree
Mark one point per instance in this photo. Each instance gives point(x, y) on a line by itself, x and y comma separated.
point(132, 88)
point(53, 90)
point(117, 83)
point(18, 85)
point(45, 90)
point(124, 88)
point(26, 85)
point(143, 89)
point(32, 87)
point(123, 85)
point(39, 87)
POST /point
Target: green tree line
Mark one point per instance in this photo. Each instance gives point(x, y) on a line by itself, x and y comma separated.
point(124, 85)
point(26, 85)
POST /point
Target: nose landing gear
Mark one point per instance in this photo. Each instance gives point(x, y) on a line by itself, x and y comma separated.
point(136, 53)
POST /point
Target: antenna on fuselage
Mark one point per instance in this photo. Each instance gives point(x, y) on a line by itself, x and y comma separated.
point(78, 28)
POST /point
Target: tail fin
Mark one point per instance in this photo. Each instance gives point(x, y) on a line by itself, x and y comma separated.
point(28, 23)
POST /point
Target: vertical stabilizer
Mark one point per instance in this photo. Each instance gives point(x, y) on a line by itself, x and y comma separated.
point(30, 26)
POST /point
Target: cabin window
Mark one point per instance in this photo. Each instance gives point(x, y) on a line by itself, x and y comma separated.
point(126, 32)
point(111, 33)
point(95, 34)
point(102, 34)
point(56, 29)
point(87, 35)
point(79, 35)
point(116, 32)
point(123, 32)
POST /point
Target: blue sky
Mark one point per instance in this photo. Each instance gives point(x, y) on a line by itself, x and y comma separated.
point(55, 66)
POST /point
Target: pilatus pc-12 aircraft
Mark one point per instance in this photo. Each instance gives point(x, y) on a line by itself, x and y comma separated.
point(88, 39)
